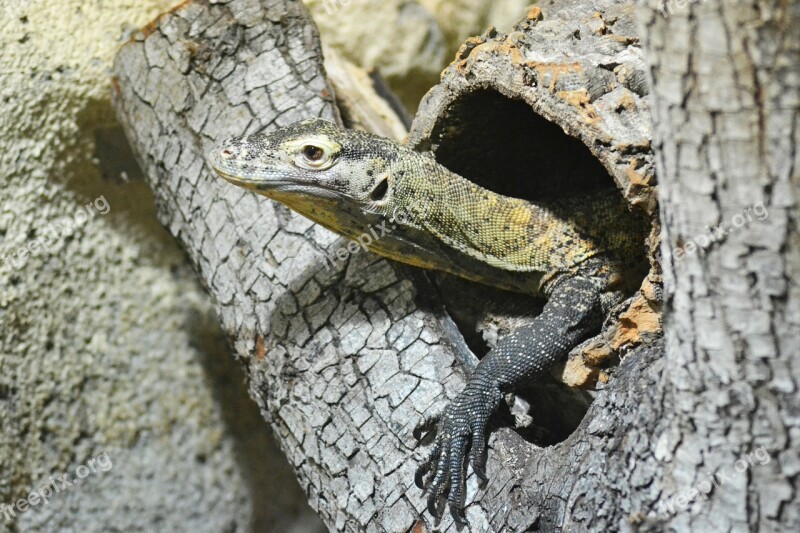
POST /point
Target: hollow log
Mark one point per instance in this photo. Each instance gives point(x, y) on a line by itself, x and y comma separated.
point(345, 358)
point(554, 107)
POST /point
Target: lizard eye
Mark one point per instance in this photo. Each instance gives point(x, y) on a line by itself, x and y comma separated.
point(315, 154)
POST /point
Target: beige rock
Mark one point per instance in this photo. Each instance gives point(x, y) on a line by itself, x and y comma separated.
point(460, 19)
point(398, 37)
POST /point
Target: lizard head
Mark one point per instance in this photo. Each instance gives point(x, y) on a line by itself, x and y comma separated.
point(336, 177)
point(313, 157)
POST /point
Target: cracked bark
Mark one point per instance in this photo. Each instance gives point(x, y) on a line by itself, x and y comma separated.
point(344, 360)
point(726, 101)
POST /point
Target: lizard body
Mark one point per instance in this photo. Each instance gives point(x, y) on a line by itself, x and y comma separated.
point(578, 252)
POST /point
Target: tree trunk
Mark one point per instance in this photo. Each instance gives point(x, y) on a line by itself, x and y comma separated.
point(344, 359)
point(725, 106)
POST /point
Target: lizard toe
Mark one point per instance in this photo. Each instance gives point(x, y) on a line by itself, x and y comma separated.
point(433, 503)
point(478, 455)
point(458, 452)
point(425, 427)
point(429, 465)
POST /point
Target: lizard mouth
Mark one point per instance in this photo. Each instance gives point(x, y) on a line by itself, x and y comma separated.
point(279, 188)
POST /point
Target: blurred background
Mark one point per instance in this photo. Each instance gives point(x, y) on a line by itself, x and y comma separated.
point(112, 363)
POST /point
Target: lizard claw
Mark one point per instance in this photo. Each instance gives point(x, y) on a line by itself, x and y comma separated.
point(460, 434)
point(432, 508)
point(484, 479)
point(419, 478)
point(455, 511)
point(458, 516)
point(425, 466)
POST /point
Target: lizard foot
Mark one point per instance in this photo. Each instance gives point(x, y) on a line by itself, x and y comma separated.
point(461, 430)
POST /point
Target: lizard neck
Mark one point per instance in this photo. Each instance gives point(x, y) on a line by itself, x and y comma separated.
point(506, 233)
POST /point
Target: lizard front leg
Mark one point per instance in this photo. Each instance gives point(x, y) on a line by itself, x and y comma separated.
point(574, 311)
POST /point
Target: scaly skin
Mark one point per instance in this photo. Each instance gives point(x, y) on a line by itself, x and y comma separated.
point(577, 252)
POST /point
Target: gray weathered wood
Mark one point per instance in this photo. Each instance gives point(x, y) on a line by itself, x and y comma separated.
point(343, 361)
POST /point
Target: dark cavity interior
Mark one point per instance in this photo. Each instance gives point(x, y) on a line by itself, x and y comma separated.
point(503, 145)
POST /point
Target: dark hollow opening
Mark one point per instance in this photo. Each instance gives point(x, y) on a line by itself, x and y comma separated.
point(503, 145)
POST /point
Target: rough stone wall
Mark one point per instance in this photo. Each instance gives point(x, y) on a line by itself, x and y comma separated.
point(107, 342)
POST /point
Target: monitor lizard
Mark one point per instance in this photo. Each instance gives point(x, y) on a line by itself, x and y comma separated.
point(578, 252)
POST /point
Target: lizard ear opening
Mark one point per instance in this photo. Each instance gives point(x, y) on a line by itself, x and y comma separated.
point(380, 190)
